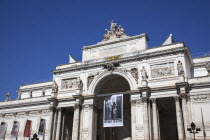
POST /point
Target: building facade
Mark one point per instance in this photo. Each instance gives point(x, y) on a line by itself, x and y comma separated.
point(164, 89)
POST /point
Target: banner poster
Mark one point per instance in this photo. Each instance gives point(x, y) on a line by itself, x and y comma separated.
point(3, 128)
point(15, 128)
point(41, 131)
point(113, 111)
point(27, 130)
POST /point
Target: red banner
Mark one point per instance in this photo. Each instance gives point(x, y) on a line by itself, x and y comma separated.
point(27, 130)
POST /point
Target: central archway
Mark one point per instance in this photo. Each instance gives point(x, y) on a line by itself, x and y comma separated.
point(111, 85)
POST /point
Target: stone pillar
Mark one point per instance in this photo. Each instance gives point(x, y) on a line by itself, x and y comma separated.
point(53, 104)
point(133, 119)
point(58, 129)
point(88, 129)
point(51, 123)
point(146, 118)
point(63, 124)
point(179, 119)
point(155, 120)
point(76, 122)
point(185, 116)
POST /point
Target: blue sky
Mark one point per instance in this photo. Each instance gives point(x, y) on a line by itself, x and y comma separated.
point(37, 35)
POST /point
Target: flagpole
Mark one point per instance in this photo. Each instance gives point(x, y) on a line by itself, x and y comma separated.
point(204, 133)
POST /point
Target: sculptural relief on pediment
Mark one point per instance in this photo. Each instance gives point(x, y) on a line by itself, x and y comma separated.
point(162, 70)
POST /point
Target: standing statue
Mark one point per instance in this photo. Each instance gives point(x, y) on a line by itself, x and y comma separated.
point(120, 31)
point(144, 74)
point(180, 68)
point(79, 83)
point(54, 87)
point(208, 68)
point(113, 26)
point(106, 35)
point(8, 96)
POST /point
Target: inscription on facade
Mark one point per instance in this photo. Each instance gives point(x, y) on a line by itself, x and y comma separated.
point(162, 70)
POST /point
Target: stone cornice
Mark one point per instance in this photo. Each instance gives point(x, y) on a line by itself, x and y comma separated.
point(117, 41)
point(35, 88)
point(24, 104)
point(124, 60)
point(201, 65)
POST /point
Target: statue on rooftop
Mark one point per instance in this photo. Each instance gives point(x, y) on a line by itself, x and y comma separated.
point(207, 66)
point(113, 26)
point(8, 96)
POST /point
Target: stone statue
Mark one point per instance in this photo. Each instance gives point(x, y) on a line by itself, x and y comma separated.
point(144, 74)
point(79, 82)
point(113, 26)
point(54, 87)
point(106, 35)
point(8, 96)
point(120, 31)
point(180, 68)
point(208, 68)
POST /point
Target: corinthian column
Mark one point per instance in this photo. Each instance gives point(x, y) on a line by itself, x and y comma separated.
point(76, 122)
point(185, 116)
point(155, 120)
point(57, 137)
point(146, 119)
point(179, 119)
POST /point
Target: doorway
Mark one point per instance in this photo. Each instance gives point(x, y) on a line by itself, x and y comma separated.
point(167, 119)
point(111, 85)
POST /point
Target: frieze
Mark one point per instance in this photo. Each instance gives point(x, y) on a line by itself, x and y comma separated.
point(162, 70)
point(71, 83)
point(200, 97)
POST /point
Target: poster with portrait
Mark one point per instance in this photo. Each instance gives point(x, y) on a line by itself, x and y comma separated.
point(15, 128)
point(3, 128)
point(113, 111)
point(41, 131)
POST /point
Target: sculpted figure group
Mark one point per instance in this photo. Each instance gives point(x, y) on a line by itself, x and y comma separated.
point(114, 32)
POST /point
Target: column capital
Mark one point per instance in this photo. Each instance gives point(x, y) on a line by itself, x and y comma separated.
point(144, 99)
point(183, 88)
point(176, 98)
point(154, 100)
point(145, 91)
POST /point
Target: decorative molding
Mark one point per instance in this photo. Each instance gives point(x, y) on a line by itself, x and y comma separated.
point(44, 112)
point(134, 73)
point(21, 114)
point(11, 115)
point(144, 99)
point(34, 113)
point(162, 70)
point(139, 56)
point(176, 98)
point(200, 97)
